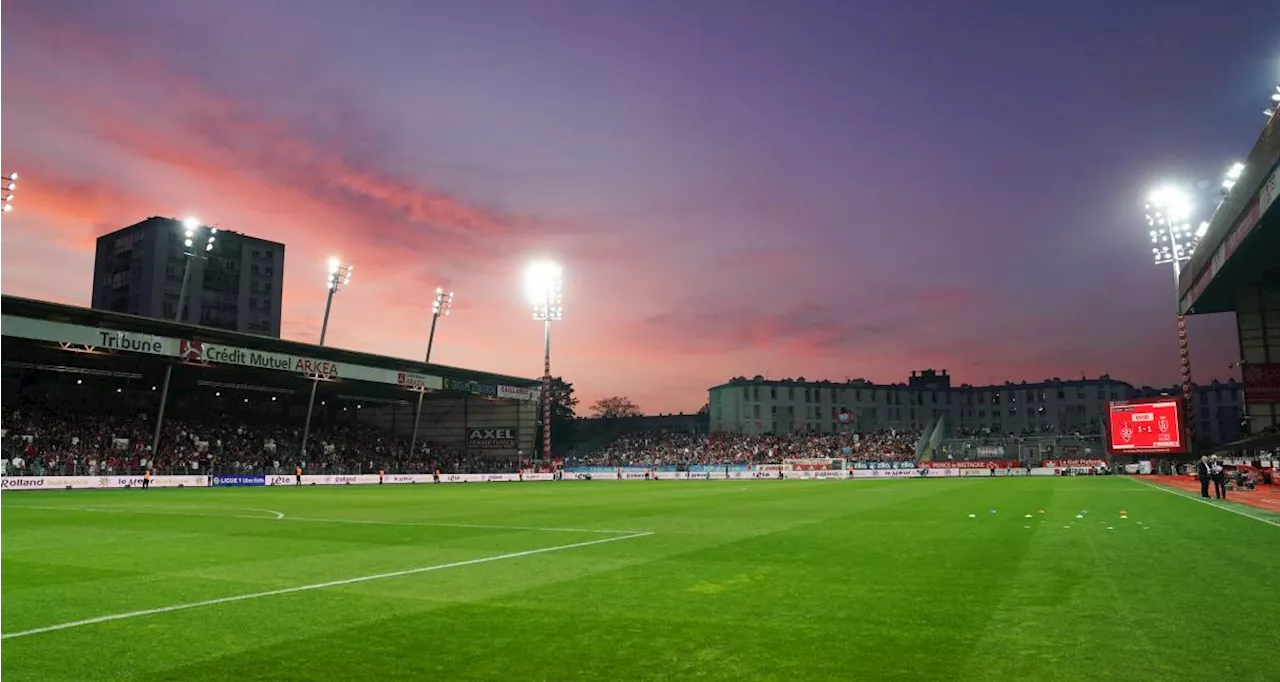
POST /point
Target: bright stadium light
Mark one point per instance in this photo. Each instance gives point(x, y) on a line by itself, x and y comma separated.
point(544, 286)
point(443, 302)
point(543, 282)
point(339, 276)
point(6, 202)
point(440, 307)
point(1233, 176)
point(1168, 211)
point(193, 233)
point(1173, 240)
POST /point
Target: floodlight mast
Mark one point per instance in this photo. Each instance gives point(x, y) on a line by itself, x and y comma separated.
point(198, 240)
point(544, 285)
point(9, 184)
point(440, 307)
point(1173, 241)
point(339, 277)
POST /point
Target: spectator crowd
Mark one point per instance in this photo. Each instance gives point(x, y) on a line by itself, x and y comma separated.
point(670, 448)
point(43, 441)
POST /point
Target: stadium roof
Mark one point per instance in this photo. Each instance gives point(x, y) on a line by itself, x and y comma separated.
point(1236, 247)
point(17, 307)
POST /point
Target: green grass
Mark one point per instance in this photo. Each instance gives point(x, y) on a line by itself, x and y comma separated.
point(767, 580)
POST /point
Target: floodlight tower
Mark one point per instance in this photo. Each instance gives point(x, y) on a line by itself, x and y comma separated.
point(197, 243)
point(1275, 103)
point(1173, 240)
point(339, 277)
point(10, 182)
point(544, 285)
point(440, 307)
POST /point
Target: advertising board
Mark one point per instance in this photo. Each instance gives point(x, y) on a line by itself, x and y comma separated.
point(1261, 383)
point(492, 438)
point(238, 480)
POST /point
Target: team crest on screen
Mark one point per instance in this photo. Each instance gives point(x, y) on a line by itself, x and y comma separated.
point(1126, 432)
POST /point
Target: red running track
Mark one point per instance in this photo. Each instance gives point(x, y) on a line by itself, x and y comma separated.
point(1265, 497)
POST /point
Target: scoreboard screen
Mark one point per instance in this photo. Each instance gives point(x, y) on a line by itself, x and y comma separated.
point(1150, 426)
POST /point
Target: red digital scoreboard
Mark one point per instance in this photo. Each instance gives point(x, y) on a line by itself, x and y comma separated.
point(1149, 426)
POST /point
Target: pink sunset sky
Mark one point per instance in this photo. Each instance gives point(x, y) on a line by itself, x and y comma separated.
point(732, 189)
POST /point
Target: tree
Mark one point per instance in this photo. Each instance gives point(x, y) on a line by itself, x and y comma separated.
point(614, 407)
point(704, 416)
point(562, 417)
point(562, 401)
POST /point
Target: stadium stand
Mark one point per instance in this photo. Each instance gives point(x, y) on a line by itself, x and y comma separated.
point(684, 449)
point(83, 394)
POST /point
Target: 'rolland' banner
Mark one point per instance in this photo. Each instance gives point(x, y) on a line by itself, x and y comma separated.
point(245, 480)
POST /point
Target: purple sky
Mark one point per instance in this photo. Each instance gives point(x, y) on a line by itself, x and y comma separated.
point(826, 189)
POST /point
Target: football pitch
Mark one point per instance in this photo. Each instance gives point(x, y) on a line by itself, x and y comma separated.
point(722, 580)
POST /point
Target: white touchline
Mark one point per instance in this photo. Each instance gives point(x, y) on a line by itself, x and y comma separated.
point(316, 586)
point(1179, 493)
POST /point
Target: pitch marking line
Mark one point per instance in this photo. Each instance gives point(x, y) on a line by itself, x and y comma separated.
point(316, 586)
point(464, 525)
point(276, 516)
point(1185, 496)
point(279, 516)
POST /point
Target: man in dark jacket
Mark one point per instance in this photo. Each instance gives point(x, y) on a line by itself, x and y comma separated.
point(1204, 472)
point(1219, 475)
